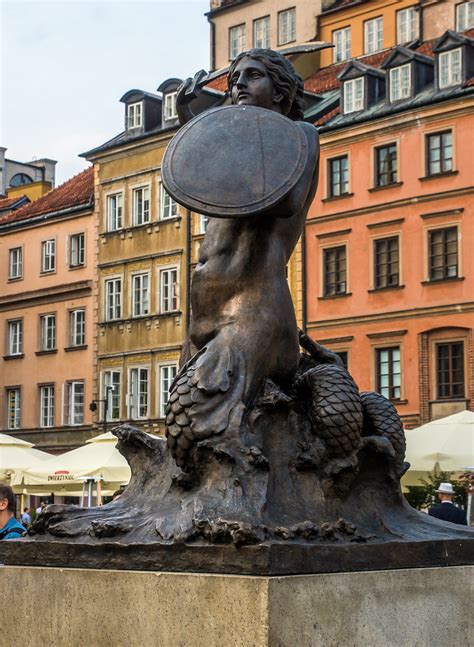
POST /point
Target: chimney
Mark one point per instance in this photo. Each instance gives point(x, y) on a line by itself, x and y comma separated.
point(49, 169)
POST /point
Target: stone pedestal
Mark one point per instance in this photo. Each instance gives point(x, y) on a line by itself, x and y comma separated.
point(74, 607)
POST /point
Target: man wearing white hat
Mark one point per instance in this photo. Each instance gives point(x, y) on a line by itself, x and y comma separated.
point(446, 510)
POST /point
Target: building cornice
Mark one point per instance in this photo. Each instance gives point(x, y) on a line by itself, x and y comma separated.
point(45, 295)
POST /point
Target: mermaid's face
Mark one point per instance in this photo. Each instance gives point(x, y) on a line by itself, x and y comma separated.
point(251, 85)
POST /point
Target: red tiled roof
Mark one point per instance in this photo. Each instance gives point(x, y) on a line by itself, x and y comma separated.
point(327, 117)
point(7, 203)
point(220, 83)
point(79, 190)
point(340, 4)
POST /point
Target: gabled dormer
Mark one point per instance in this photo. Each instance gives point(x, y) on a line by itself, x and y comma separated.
point(454, 57)
point(408, 72)
point(142, 111)
point(362, 87)
point(168, 90)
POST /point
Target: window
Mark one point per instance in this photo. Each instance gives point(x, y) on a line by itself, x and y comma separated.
point(338, 171)
point(113, 299)
point(450, 370)
point(286, 26)
point(343, 356)
point(407, 25)
point(77, 327)
point(400, 82)
point(111, 381)
point(15, 265)
point(373, 35)
point(141, 205)
point(138, 393)
point(134, 115)
point(203, 222)
point(342, 44)
point(353, 95)
point(261, 32)
point(439, 153)
point(19, 179)
point(386, 262)
point(74, 403)
point(48, 256)
point(140, 291)
point(236, 41)
point(334, 269)
point(169, 290)
point(450, 68)
point(464, 16)
point(13, 408)
point(167, 375)
point(46, 399)
point(170, 105)
point(114, 212)
point(15, 337)
point(443, 253)
point(386, 165)
point(169, 208)
point(48, 332)
point(388, 372)
point(77, 250)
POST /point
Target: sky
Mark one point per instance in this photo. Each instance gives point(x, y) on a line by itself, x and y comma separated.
point(64, 66)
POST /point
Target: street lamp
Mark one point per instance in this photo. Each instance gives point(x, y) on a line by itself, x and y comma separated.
point(105, 401)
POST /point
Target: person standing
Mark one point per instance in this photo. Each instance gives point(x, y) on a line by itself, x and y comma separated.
point(26, 518)
point(10, 528)
point(446, 510)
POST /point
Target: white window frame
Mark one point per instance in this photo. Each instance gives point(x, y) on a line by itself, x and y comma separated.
point(341, 39)
point(134, 115)
point(74, 403)
point(407, 25)
point(138, 400)
point(354, 95)
point(465, 16)
point(141, 205)
point(167, 301)
point(378, 350)
point(400, 82)
point(48, 255)
point(77, 250)
point(170, 106)
point(46, 405)
point(203, 223)
point(169, 208)
point(114, 211)
point(166, 375)
point(15, 337)
point(140, 291)
point(77, 327)
point(261, 32)
point(13, 412)
point(15, 263)
point(48, 332)
point(113, 298)
point(373, 35)
point(446, 68)
point(236, 40)
point(112, 377)
point(287, 26)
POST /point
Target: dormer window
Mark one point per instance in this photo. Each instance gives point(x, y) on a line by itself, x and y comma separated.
point(400, 82)
point(353, 95)
point(407, 25)
point(170, 106)
point(450, 68)
point(464, 16)
point(134, 115)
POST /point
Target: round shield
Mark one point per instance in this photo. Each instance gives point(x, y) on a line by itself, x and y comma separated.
point(234, 161)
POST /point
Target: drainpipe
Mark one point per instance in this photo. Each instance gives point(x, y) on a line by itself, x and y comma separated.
point(188, 269)
point(212, 39)
point(303, 281)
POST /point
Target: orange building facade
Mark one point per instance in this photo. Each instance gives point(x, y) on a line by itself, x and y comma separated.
point(390, 273)
point(46, 317)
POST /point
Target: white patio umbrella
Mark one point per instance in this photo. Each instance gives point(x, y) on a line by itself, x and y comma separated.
point(17, 455)
point(447, 443)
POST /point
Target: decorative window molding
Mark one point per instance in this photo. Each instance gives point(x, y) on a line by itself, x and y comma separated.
point(408, 25)
point(450, 68)
point(140, 289)
point(287, 26)
point(373, 35)
point(134, 115)
point(113, 299)
point(236, 40)
point(354, 91)
point(114, 211)
point(15, 263)
point(167, 373)
point(261, 32)
point(400, 82)
point(341, 39)
point(46, 405)
point(141, 205)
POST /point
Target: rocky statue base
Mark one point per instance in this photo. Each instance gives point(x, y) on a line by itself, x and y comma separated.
point(297, 487)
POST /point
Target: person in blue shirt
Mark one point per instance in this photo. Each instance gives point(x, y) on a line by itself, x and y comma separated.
point(10, 528)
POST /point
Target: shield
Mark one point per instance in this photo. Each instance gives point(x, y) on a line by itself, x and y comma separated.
point(234, 161)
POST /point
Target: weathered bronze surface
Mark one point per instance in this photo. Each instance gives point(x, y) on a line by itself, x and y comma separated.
point(274, 462)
